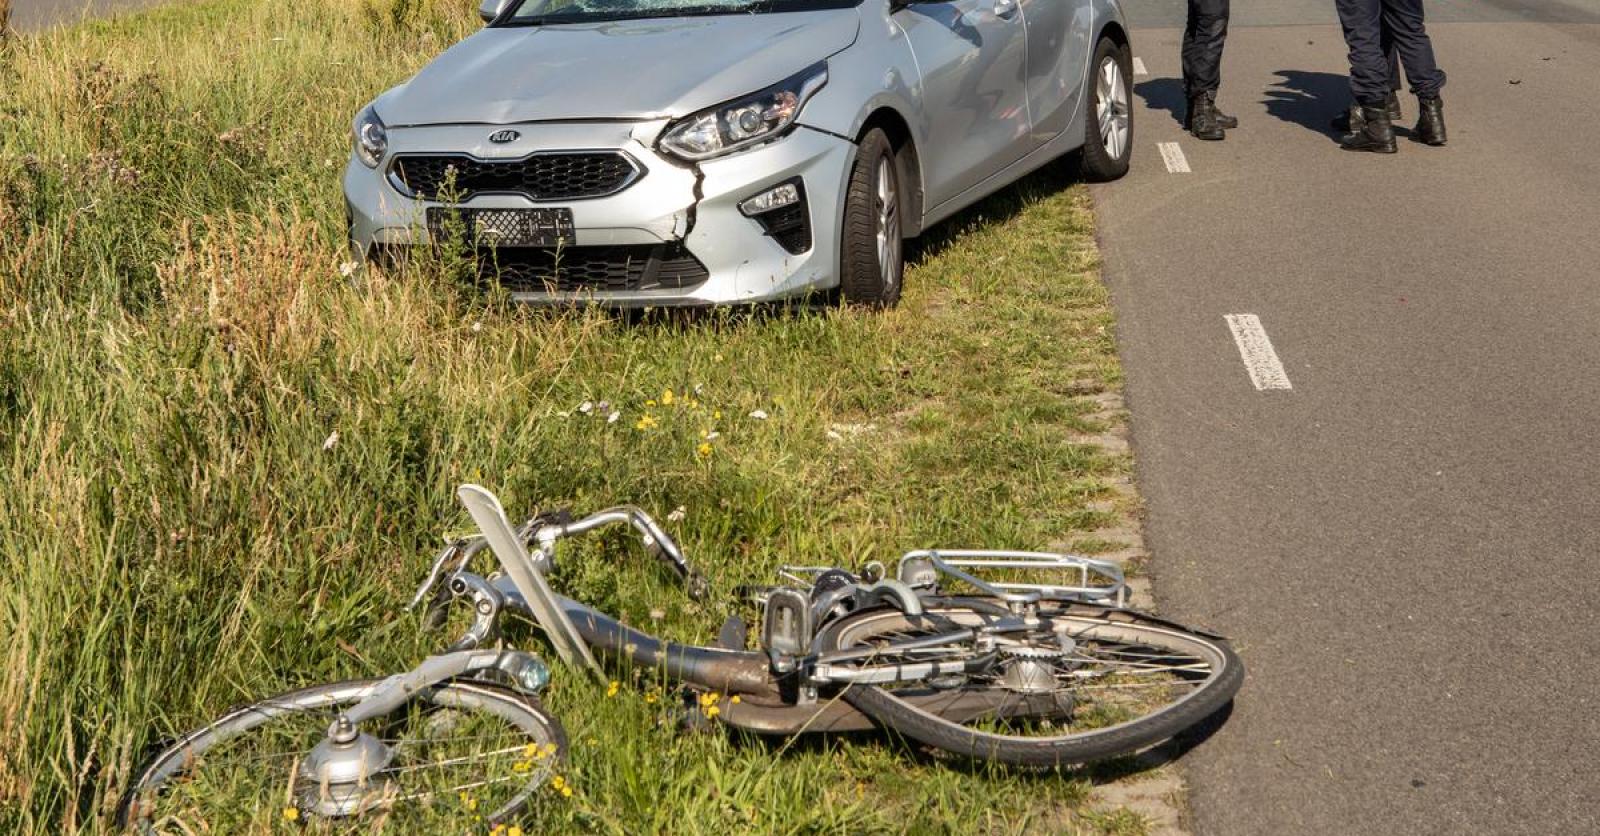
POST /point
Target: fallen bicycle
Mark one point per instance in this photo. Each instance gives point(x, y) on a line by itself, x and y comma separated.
point(971, 652)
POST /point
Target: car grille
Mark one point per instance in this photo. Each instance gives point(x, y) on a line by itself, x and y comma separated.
point(565, 175)
point(591, 269)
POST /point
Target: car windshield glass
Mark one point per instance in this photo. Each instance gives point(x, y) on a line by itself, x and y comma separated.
point(534, 12)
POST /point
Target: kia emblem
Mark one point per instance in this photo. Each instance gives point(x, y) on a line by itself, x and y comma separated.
point(504, 136)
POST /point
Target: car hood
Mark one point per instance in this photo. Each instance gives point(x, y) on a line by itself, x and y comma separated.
point(633, 69)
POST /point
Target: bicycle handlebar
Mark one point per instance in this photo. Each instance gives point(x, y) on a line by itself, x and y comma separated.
point(544, 533)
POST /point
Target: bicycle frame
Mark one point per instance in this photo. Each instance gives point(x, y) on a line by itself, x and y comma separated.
point(778, 687)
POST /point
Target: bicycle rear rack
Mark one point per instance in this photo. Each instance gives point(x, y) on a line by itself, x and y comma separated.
point(1018, 576)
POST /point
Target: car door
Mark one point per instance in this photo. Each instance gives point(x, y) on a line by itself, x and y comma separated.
point(972, 56)
point(1059, 51)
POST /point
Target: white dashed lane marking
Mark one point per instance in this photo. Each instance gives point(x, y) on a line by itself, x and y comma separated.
point(1173, 156)
point(1260, 360)
point(1138, 66)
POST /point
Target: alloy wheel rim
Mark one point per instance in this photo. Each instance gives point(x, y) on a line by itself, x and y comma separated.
point(1113, 108)
point(887, 204)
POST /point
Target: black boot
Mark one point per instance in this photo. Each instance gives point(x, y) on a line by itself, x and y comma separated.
point(1430, 126)
point(1202, 119)
point(1376, 134)
point(1350, 121)
point(1223, 120)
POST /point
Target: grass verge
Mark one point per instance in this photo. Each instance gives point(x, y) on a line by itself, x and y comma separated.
point(225, 465)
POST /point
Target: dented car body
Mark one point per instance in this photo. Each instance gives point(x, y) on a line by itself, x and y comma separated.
point(638, 153)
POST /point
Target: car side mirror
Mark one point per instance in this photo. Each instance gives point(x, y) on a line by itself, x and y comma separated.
point(491, 9)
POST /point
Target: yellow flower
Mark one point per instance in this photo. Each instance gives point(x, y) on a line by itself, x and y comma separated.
point(650, 698)
point(666, 398)
point(468, 801)
point(521, 766)
point(704, 449)
point(716, 415)
point(611, 690)
point(514, 831)
point(531, 751)
point(645, 422)
point(558, 782)
point(498, 830)
point(713, 711)
point(291, 813)
point(734, 699)
point(566, 792)
point(650, 403)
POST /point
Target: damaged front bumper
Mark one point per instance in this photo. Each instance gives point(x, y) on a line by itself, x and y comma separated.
point(685, 215)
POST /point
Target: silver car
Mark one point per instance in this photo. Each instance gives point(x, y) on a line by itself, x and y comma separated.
point(694, 152)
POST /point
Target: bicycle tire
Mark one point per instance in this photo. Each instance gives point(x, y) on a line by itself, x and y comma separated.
point(177, 759)
point(1225, 675)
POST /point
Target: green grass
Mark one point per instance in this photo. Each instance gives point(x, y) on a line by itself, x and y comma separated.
point(180, 529)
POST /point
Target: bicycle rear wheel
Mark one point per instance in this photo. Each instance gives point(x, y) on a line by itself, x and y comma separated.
point(1076, 687)
point(460, 752)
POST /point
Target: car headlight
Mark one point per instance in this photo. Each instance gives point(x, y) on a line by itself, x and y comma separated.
point(746, 121)
point(371, 137)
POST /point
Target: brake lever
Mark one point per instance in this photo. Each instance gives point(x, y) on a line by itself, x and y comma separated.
point(466, 548)
point(445, 554)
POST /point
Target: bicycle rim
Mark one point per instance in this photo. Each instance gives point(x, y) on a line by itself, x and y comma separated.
point(1072, 689)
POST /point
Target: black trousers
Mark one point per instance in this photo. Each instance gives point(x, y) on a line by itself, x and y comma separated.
point(1372, 28)
point(1207, 29)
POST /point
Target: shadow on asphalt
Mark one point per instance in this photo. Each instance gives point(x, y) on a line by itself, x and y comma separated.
point(1308, 99)
point(1164, 94)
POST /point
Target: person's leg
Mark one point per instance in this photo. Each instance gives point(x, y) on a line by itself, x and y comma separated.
point(1369, 75)
point(1350, 121)
point(1362, 21)
point(1203, 38)
point(1403, 21)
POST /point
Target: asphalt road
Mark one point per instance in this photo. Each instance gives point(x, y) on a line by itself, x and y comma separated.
point(33, 15)
point(1404, 544)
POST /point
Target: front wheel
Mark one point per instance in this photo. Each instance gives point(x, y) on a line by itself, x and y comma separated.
point(459, 752)
point(1068, 689)
point(1108, 121)
point(871, 246)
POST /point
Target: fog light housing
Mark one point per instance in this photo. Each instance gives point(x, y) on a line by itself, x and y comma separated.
point(783, 214)
point(777, 197)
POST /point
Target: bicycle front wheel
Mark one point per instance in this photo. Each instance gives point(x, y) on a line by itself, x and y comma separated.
point(458, 753)
point(1074, 687)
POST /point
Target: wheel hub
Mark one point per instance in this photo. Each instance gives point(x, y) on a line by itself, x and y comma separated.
point(344, 774)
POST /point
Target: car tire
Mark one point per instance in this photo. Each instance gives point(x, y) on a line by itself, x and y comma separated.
point(1108, 119)
point(872, 243)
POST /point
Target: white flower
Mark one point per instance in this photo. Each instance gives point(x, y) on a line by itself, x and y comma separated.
point(759, 415)
point(476, 327)
point(613, 417)
point(332, 439)
point(834, 434)
point(699, 387)
point(677, 514)
point(713, 435)
point(348, 269)
point(586, 407)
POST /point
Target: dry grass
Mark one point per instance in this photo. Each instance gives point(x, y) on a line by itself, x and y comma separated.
point(180, 528)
